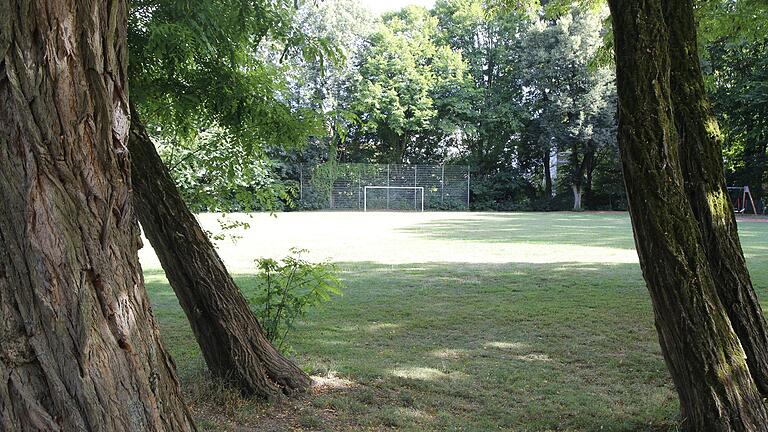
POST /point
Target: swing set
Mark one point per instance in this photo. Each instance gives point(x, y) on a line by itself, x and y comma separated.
point(742, 200)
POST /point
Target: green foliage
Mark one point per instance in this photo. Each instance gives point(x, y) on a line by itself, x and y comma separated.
point(490, 109)
point(240, 93)
point(213, 174)
point(503, 191)
point(205, 65)
point(570, 96)
point(734, 36)
point(288, 289)
point(740, 95)
point(735, 20)
point(345, 24)
point(399, 94)
point(194, 64)
point(464, 83)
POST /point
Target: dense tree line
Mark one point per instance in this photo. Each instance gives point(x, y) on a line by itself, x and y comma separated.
point(524, 95)
point(518, 95)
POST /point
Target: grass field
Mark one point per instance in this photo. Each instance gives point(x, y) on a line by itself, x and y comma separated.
point(456, 321)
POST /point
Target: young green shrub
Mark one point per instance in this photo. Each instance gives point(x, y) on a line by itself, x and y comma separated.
point(287, 289)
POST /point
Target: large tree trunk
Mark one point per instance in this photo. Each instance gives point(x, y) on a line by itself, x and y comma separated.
point(228, 333)
point(702, 351)
point(79, 347)
point(702, 164)
point(578, 193)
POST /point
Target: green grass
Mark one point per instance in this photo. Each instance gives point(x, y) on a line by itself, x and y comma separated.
point(458, 321)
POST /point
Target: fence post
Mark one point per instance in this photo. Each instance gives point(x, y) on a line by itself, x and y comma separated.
point(442, 185)
point(469, 173)
point(415, 204)
point(330, 193)
point(388, 175)
point(359, 168)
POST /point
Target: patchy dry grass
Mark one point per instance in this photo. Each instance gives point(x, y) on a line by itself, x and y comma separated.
point(456, 321)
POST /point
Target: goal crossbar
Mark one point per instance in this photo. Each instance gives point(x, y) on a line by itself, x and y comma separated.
point(416, 189)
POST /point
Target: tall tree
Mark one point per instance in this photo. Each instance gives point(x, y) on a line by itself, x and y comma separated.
point(490, 109)
point(402, 73)
point(569, 97)
point(703, 352)
point(702, 164)
point(195, 70)
point(80, 348)
point(346, 25)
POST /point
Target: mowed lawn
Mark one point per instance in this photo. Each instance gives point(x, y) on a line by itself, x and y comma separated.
point(455, 321)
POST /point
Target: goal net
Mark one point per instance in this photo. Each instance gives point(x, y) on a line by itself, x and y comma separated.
point(393, 198)
point(367, 187)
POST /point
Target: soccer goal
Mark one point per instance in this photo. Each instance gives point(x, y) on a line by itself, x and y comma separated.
point(417, 193)
point(389, 187)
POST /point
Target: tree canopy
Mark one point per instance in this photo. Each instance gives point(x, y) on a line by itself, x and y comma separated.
point(522, 92)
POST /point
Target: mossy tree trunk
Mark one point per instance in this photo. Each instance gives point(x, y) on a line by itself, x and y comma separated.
point(79, 346)
point(701, 348)
point(230, 338)
point(702, 165)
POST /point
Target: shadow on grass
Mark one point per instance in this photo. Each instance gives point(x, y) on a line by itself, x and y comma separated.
point(457, 346)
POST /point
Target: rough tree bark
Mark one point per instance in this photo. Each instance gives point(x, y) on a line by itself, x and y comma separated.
point(702, 164)
point(79, 346)
point(230, 337)
point(702, 351)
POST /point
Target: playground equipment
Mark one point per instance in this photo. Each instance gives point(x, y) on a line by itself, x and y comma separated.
point(741, 198)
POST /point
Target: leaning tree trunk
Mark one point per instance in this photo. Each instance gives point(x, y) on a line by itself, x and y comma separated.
point(79, 347)
point(701, 349)
point(230, 338)
point(702, 164)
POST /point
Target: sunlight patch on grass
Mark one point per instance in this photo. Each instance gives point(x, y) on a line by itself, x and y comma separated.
point(372, 328)
point(414, 413)
point(382, 326)
point(331, 381)
point(506, 345)
point(580, 268)
point(533, 358)
point(407, 238)
point(427, 374)
point(155, 277)
point(449, 354)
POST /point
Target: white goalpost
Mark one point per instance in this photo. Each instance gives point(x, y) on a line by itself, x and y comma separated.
point(386, 187)
point(416, 191)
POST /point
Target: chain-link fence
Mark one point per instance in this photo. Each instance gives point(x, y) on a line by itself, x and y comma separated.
point(384, 187)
